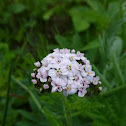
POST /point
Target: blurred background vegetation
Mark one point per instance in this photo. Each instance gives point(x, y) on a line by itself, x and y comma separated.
point(30, 29)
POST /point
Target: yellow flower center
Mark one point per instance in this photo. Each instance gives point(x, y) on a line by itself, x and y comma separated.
point(68, 88)
point(88, 72)
point(59, 74)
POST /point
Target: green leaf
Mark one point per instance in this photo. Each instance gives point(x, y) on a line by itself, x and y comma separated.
point(52, 46)
point(80, 24)
point(17, 8)
point(117, 69)
point(114, 111)
point(82, 17)
point(113, 9)
point(91, 45)
point(48, 14)
point(61, 41)
point(27, 115)
point(25, 123)
point(52, 118)
point(76, 43)
point(116, 47)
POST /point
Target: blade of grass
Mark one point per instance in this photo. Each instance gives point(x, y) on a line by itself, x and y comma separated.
point(30, 92)
point(117, 68)
point(103, 79)
point(108, 93)
point(7, 99)
point(115, 29)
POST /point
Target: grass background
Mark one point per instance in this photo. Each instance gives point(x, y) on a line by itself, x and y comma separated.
point(31, 29)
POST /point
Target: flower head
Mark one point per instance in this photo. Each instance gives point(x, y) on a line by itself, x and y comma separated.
point(65, 71)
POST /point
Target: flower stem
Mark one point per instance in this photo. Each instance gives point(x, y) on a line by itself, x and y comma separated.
point(31, 94)
point(7, 99)
point(67, 111)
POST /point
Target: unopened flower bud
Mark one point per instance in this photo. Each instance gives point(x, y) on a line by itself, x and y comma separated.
point(100, 88)
point(37, 64)
point(99, 82)
point(46, 86)
point(34, 81)
point(33, 75)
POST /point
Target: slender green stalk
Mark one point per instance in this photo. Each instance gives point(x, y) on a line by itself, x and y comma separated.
point(7, 100)
point(31, 94)
point(117, 68)
point(67, 111)
point(108, 93)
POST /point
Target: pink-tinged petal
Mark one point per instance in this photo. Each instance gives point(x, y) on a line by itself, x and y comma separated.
point(64, 71)
point(32, 74)
point(81, 93)
point(72, 91)
point(88, 68)
point(91, 73)
point(83, 59)
point(97, 77)
point(54, 89)
point(46, 86)
point(86, 85)
point(34, 81)
point(59, 88)
point(96, 80)
point(56, 50)
point(79, 54)
point(52, 73)
point(38, 75)
point(76, 82)
point(89, 78)
point(83, 73)
point(43, 79)
point(72, 51)
point(87, 62)
point(37, 64)
point(53, 83)
point(87, 82)
point(70, 81)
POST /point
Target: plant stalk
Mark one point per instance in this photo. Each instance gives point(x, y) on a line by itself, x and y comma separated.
point(31, 94)
point(7, 100)
point(67, 111)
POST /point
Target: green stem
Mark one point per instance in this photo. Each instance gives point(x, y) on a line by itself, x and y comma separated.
point(7, 100)
point(31, 94)
point(67, 111)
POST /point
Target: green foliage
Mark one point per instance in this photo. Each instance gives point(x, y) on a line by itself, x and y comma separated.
point(30, 29)
point(114, 111)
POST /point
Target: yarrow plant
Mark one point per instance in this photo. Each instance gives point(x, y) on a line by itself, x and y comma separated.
point(66, 71)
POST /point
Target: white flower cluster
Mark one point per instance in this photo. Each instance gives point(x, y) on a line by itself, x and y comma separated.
point(65, 71)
